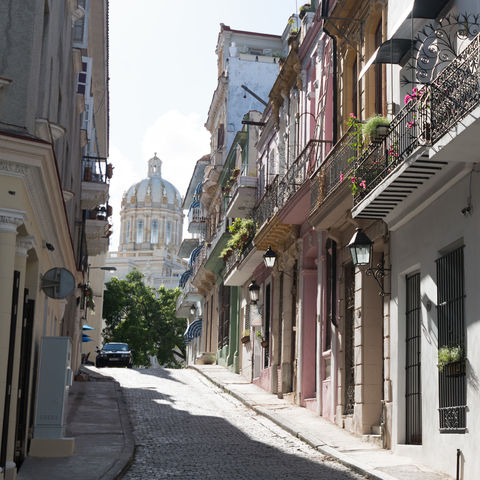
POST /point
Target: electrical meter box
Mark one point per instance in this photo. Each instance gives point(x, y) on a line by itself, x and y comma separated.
point(54, 380)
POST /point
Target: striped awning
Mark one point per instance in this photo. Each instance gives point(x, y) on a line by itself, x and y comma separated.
point(194, 204)
point(194, 330)
point(198, 189)
point(195, 253)
point(185, 276)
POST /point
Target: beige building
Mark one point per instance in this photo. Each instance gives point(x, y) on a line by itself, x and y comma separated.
point(53, 130)
point(150, 231)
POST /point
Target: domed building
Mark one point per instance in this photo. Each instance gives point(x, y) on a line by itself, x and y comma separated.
point(151, 227)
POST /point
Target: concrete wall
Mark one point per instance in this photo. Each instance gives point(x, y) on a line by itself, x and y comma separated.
point(414, 248)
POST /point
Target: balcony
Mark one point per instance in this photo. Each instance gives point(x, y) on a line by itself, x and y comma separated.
point(216, 242)
point(239, 266)
point(430, 144)
point(294, 188)
point(97, 232)
point(196, 218)
point(241, 198)
point(96, 173)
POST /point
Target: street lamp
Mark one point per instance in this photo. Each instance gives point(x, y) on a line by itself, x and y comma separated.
point(269, 257)
point(253, 290)
point(361, 247)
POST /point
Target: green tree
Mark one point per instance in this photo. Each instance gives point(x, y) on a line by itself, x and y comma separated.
point(144, 318)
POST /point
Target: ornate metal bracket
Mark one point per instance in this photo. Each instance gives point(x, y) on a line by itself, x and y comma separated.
point(378, 273)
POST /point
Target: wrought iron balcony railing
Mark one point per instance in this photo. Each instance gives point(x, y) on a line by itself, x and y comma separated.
point(267, 205)
point(96, 169)
point(327, 177)
point(298, 173)
point(425, 119)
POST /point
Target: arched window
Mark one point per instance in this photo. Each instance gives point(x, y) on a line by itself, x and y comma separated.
point(168, 233)
point(140, 231)
point(154, 232)
point(127, 232)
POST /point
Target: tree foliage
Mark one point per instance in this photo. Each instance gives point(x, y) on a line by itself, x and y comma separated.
point(144, 318)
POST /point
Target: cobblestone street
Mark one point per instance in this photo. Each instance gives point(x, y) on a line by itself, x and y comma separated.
point(185, 427)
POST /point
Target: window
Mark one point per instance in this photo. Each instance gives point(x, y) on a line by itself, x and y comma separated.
point(140, 231)
point(168, 234)
point(378, 73)
point(451, 334)
point(355, 87)
point(154, 232)
point(127, 233)
point(80, 27)
point(220, 136)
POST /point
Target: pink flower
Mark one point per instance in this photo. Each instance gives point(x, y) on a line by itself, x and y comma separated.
point(363, 184)
point(352, 115)
point(341, 177)
point(410, 124)
point(407, 99)
point(353, 179)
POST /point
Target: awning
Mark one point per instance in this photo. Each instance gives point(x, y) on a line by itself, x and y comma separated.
point(185, 276)
point(87, 327)
point(198, 189)
point(195, 253)
point(86, 338)
point(194, 330)
point(195, 204)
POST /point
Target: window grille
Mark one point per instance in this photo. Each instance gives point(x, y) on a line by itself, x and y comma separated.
point(451, 333)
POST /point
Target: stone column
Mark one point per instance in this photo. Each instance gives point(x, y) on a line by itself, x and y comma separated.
point(9, 221)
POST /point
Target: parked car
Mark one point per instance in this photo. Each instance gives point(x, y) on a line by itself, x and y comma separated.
point(116, 354)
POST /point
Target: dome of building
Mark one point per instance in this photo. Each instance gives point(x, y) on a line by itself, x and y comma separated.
point(151, 226)
point(153, 190)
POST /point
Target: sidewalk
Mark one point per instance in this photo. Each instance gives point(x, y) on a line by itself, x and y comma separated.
point(363, 457)
point(99, 422)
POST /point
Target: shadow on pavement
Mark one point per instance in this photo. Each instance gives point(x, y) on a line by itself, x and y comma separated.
point(174, 443)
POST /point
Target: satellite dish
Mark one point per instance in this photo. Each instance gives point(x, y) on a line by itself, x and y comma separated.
point(58, 283)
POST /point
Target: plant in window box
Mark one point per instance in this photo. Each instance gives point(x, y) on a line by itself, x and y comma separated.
point(235, 172)
point(304, 9)
point(226, 253)
point(226, 188)
point(245, 336)
point(263, 340)
point(451, 359)
point(88, 294)
point(376, 128)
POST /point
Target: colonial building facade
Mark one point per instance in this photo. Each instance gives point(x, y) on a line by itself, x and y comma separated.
point(54, 214)
point(367, 140)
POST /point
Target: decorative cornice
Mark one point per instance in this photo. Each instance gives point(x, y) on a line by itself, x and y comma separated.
point(13, 168)
point(24, 244)
point(11, 219)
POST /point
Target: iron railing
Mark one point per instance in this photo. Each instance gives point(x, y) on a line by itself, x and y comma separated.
point(267, 205)
point(425, 119)
point(298, 173)
point(96, 169)
point(327, 174)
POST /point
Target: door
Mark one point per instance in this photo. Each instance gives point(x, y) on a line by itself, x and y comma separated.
point(349, 339)
point(24, 375)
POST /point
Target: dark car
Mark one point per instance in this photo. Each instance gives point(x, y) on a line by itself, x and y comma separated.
point(116, 354)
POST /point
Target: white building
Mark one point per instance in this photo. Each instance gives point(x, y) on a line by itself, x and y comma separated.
point(150, 231)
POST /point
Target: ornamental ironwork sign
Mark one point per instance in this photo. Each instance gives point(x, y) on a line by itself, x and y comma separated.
point(437, 45)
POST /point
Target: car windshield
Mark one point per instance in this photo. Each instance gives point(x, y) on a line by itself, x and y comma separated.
point(117, 347)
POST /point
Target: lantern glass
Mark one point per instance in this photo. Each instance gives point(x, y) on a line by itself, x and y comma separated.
point(193, 309)
point(253, 290)
point(360, 247)
point(269, 257)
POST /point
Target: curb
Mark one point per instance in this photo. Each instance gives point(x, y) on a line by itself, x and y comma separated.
point(325, 449)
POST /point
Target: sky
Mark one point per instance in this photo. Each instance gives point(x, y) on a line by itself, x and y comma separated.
point(163, 72)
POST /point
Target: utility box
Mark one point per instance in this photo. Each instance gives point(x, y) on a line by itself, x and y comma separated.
point(54, 380)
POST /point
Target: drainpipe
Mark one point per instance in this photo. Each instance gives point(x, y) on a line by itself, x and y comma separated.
point(335, 83)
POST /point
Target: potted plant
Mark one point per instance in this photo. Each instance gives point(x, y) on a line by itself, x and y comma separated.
point(245, 336)
point(451, 358)
point(226, 253)
point(263, 340)
point(235, 172)
point(376, 128)
point(304, 9)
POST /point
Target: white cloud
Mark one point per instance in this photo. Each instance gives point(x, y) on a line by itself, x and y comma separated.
point(179, 140)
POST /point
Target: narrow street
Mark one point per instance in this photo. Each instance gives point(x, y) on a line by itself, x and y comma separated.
point(185, 427)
